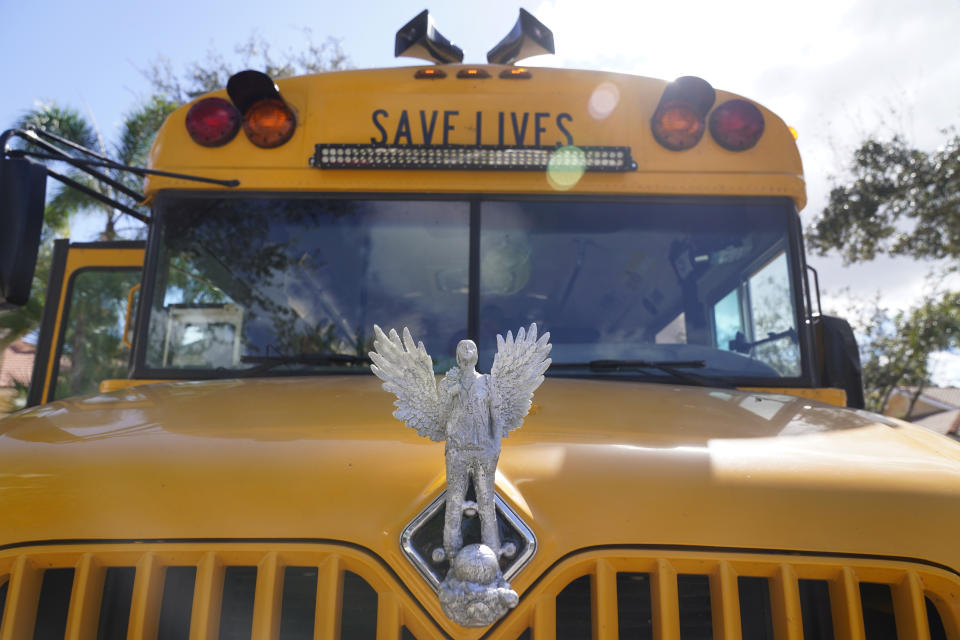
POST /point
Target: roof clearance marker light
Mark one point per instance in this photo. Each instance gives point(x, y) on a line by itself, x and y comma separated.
point(736, 125)
point(430, 73)
point(213, 122)
point(516, 73)
point(473, 72)
point(471, 157)
point(680, 118)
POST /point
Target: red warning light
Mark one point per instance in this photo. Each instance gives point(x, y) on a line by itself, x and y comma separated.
point(213, 122)
point(736, 125)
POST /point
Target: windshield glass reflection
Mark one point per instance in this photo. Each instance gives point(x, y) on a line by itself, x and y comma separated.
point(243, 281)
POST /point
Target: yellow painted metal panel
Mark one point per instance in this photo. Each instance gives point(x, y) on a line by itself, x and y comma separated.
point(545, 618)
point(845, 606)
point(116, 384)
point(146, 599)
point(785, 604)
point(268, 598)
point(665, 603)
point(388, 616)
point(836, 397)
point(207, 594)
point(242, 443)
point(342, 108)
point(329, 599)
point(84, 613)
point(910, 608)
point(603, 589)
point(725, 602)
point(23, 594)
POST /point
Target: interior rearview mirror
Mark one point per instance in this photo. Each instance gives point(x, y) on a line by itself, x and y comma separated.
point(22, 200)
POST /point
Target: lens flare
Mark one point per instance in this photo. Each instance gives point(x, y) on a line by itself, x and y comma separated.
point(603, 101)
point(564, 170)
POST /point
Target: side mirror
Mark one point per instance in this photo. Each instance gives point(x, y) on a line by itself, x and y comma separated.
point(840, 358)
point(23, 187)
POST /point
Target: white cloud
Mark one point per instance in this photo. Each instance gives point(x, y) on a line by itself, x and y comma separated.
point(836, 70)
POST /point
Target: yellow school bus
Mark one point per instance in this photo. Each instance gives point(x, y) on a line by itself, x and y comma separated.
point(695, 464)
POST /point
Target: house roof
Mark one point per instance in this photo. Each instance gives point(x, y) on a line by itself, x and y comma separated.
point(943, 422)
point(946, 395)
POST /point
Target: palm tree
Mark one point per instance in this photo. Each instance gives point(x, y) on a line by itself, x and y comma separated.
point(139, 130)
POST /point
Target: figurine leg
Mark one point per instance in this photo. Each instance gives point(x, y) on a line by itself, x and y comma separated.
point(457, 479)
point(484, 476)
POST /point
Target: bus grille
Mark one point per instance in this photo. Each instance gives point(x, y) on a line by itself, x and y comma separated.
point(285, 591)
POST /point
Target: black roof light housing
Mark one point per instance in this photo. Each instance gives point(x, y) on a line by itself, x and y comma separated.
point(419, 38)
point(268, 120)
point(529, 37)
point(246, 88)
point(680, 118)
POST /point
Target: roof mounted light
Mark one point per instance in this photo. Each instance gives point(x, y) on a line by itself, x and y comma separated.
point(212, 122)
point(472, 157)
point(680, 118)
point(247, 87)
point(419, 38)
point(268, 121)
point(529, 37)
point(736, 125)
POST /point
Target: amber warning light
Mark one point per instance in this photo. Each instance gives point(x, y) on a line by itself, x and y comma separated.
point(680, 119)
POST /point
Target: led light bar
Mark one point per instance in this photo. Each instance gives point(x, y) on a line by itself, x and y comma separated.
point(472, 157)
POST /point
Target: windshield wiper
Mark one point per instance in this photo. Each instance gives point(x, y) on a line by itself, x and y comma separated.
point(266, 363)
point(671, 367)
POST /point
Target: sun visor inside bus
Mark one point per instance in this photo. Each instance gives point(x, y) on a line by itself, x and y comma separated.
point(246, 88)
point(22, 197)
point(529, 37)
point(419, 38)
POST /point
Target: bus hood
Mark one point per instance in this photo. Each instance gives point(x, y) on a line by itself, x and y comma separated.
point(596, 463)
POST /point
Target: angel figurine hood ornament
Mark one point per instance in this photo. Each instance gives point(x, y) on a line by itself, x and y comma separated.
point(472, 413)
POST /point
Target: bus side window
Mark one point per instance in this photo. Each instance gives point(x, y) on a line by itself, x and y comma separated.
point(756, 318)
point(728, 320)
point(92, 347)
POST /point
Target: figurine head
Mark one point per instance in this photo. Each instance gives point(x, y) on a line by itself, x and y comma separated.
point(467, 354)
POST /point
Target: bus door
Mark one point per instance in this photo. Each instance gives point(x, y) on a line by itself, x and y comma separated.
point(90, 303)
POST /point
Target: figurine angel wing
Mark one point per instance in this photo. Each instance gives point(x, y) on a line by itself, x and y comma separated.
point(516, 373)
point(407, 372)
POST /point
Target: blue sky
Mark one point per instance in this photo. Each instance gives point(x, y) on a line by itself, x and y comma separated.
point(836, 70)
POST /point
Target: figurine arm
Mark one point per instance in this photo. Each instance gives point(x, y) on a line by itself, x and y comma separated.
point(449, 391)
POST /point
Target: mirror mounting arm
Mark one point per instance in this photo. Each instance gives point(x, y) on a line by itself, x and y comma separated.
point(52, 149)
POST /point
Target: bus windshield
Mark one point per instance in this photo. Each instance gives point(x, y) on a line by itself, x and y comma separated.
point(241, 280)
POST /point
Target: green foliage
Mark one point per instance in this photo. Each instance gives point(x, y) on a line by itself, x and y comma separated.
point(895, 348)
point(136, 137)
point(900, 201)
point(212, 73)
point(93, 349)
